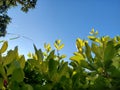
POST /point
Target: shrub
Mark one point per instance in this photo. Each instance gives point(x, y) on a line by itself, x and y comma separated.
point(95, 65)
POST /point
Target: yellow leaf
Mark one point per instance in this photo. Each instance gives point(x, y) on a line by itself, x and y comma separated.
point(58, 42)
point(77, 58)
point(61, 46)
point(56, 46)
point(79, 43)
point(4, 47)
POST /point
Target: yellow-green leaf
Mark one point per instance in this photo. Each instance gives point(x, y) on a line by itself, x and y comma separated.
point(61, 46)
point(11, 55)
point(63, 56)
point(29, 55)
point(18, 75)
point(4, 47)
point(58, 42)
point(56, 46)
point(22, 62)
point(77, 58)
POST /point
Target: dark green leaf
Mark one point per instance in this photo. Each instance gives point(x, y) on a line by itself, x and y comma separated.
point(109, 53)
point(88, 52)
point(51, 55)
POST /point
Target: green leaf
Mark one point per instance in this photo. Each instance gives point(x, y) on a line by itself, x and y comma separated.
point(22, 62)
point(118, 38)
point(2, 71)
point(58, 42)
point(28, 87)
point(38, 53)
point(63, 69)
point(14, 65)
point(61, 46)
point(4, 47)
point(100, 83)
point(77, 58)
point(9, 58)
point(11, 55)
point(79, 43)
point(44, 67)
point(56, 46)
point(88, 52)
point(53, 66)
point(86, 65)
point(51, 55)
point(1, 84)
point(47, 47)
point(97, 50)
point(93, 38)
point(18, 75)
point(10, 69)
point(116, 62)
point(109, 53)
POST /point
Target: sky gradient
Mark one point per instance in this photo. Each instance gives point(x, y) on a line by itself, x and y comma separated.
point(63, 19)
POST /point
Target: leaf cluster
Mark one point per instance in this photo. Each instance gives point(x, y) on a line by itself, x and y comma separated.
point(94, 66)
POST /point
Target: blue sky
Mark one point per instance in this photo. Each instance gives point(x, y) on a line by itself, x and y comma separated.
point(63, 19)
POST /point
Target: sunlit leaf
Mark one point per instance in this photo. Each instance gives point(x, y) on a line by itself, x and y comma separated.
point(14, 65)
point(22, 62)
point(10, 69)
point(92, 37)
point(79, 43)
point(58, 42)
point(4, 47)
point(56, 46)
point(9, 58)
point(11, 55)
point(77, 58)
point(61, 46)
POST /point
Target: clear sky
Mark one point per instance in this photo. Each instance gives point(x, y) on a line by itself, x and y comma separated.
point(63, 19)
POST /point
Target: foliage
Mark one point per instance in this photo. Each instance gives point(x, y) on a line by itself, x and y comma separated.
point(94, 65)
point(7, 4)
